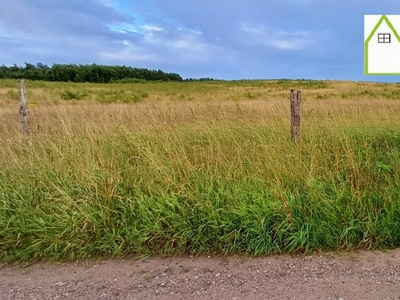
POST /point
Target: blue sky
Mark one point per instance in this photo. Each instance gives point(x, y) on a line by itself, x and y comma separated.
point(223, 39)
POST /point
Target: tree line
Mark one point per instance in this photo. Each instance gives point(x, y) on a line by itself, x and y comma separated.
point(85, 73)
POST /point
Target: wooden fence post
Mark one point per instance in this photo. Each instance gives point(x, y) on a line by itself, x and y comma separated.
point(23, 107)
point(295, 100)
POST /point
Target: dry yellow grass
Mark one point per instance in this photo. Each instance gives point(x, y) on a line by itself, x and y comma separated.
point(188, 104)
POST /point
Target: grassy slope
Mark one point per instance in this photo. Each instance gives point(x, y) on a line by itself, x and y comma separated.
point(198, 167)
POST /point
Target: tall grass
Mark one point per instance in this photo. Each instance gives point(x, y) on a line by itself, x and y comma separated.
point(173, 175)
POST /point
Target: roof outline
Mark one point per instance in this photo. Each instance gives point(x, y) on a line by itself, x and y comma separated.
point(378, 24)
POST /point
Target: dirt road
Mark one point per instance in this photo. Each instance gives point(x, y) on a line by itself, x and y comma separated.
point(361, 275)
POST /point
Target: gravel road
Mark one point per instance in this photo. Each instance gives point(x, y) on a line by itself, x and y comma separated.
point(356, 275)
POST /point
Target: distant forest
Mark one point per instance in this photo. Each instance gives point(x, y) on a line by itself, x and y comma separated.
point(85, 73)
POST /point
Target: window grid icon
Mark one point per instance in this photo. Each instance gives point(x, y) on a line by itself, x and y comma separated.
point(384, 38)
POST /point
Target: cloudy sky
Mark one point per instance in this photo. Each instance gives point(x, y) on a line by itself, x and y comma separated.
point(223, 39)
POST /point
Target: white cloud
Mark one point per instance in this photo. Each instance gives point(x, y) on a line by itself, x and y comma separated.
point(277, 38)
point(126, 56)
point(151, 28)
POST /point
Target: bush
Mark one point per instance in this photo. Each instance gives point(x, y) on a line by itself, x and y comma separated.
point(69, 95)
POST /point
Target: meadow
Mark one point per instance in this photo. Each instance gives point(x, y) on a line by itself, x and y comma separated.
point(164, 168)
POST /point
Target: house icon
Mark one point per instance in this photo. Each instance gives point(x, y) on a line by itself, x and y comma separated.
point(382, 47)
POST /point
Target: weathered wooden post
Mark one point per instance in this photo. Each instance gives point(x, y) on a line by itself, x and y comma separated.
point(23, 107)
point(295, 100)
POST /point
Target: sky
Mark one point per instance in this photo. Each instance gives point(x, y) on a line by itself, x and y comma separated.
point(221, 39)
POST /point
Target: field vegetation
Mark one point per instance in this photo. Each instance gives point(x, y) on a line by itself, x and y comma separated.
point(198, 167)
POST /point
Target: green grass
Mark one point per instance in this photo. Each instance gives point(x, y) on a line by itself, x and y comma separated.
point(201, 183)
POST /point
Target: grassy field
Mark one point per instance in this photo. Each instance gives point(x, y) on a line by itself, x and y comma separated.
point(198, 167)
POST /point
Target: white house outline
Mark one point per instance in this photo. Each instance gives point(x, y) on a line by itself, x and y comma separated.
point(395, 48)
